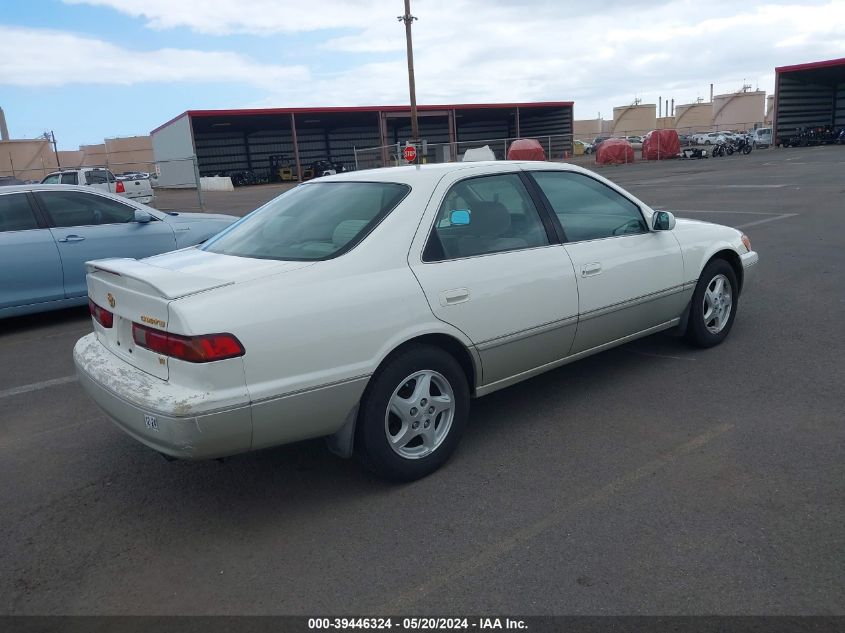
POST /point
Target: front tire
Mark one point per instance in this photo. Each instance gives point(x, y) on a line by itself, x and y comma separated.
point(714, 305)
point(413, 414)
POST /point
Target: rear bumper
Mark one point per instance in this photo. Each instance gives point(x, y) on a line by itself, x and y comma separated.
point(152, 410)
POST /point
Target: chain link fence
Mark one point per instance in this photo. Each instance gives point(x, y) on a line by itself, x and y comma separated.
point(559, 148)
point(175, 182)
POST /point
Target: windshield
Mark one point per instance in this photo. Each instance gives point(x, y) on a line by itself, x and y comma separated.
point(311, 222)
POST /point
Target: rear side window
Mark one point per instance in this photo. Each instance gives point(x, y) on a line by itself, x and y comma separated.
point(588, 209)
point(311, 222)
point(15, 213)
point(96, 177)
point(77, 208)
point(70, 178)
point(483, 215)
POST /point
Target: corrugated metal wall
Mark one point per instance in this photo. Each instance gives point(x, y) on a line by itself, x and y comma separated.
point(556, 124)
point(839, 109)
point(329, 137)
point(803, 104)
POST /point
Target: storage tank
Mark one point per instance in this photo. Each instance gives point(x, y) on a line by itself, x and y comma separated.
point(587, 129)
point(130, 153)
point(770, 108)
point(634, 119)
point(739, 110)
point(94, 155)
point(693, 117)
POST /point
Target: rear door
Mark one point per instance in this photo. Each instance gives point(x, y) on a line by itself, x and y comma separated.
point(88, 226)
point(496, 271)
point(30, 266)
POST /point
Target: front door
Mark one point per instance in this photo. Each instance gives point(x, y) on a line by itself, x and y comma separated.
point(492, 269)
point(88, 226)
point(630, 279)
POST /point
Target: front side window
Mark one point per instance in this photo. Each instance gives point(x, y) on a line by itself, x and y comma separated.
point(483, 215)
point(75, 208)
point(588, 209)
point(311, 222)
point(52, 179)
point(16, 214)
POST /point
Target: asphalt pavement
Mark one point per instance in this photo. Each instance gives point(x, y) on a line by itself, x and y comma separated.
point(651, 479)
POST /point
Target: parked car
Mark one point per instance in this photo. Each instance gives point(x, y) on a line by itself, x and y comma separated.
point(598, 141)
point(137, 189)
point(635, 141)
point(48, 232)
point(586, 147)
point(762, 137)
point(369, 307)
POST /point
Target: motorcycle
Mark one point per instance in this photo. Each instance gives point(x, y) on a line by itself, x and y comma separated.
point(742, 144)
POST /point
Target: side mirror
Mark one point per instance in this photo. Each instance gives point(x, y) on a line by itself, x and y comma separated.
point(460, 217)
point(662, 221)
point(142, 217)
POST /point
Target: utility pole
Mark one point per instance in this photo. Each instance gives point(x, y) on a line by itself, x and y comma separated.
point(408, 19)
point(51, 137)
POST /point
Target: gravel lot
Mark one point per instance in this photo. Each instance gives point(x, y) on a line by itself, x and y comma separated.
point(651, 479)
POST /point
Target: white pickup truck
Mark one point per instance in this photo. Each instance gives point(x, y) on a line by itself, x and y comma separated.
point(139, 190)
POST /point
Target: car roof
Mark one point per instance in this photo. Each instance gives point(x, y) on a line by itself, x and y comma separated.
point(432, 173)
point(83, 189)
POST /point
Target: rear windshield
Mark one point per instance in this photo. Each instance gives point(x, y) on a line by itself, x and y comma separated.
point(311, 222)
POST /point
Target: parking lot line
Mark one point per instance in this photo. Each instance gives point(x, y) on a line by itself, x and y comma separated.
point(783, 216)
point(676, 211)
point(35, 386)
point(498, 549)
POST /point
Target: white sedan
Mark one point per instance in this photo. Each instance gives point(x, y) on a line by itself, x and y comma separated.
point(370, 307)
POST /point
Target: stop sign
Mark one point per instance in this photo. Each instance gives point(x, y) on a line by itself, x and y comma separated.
point(410, 153)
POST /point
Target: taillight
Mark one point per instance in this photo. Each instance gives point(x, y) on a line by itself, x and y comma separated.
point(194, 349)
point(119, 188)
point(103, 316)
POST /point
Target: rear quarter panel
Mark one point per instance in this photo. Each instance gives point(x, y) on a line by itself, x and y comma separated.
point(326, 327)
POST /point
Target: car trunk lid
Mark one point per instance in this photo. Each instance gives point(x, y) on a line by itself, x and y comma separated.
point(136, 292)
point(141, 291)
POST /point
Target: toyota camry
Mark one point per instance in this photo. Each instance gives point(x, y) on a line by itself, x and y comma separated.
point(370, 307)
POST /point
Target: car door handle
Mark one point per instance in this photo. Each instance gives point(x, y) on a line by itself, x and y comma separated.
point(71, 238)
point(588, 270)
point(453, 296)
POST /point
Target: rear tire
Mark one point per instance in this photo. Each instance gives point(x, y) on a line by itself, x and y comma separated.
point(413, 414)
point(714, 305)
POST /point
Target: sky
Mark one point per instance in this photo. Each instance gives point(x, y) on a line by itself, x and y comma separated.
point(91, 69)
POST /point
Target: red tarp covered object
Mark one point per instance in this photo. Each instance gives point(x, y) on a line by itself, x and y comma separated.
point(660, 144)
point(614, 151)
point(526, 149)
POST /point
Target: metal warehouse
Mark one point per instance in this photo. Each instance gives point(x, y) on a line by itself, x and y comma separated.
point(809, 96)
point(283, 143)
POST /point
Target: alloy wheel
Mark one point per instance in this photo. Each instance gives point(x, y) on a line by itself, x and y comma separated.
point(419, 414)
point(718, 303)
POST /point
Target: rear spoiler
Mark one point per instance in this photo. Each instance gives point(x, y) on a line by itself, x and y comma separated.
point(169, 284)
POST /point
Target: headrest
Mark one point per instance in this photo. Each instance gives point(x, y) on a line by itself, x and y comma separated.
point(346, 230)
point(490, 219)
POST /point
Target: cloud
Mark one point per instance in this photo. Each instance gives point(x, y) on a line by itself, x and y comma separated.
point(28, 57)
point(260, 17)
point(599, 54)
